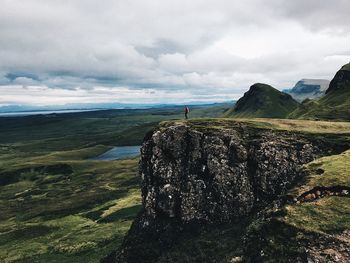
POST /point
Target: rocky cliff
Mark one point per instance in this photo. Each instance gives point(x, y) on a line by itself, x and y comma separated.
point(199, 172)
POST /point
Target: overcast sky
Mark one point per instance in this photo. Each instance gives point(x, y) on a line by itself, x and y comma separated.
point(143, 51)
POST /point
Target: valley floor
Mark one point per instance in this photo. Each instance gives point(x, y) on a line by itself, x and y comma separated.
point(55, 204)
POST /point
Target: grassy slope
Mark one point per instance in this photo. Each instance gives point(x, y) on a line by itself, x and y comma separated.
point(346, 67)
point(75, 218)
point(304, 224)
point(335, 105)
point(307, 126)
point(329, 214)
point(55, 205)
point(263, 101)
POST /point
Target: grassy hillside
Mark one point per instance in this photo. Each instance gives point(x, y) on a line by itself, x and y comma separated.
point(263, 101)
point(305, 126)
point(319, 226)
point(55, 216)
point(335, 105)
point(346, 67)
point(57, 206)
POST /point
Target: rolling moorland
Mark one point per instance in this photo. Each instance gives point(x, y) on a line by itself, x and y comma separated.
point(57, 206)
point(290, 199)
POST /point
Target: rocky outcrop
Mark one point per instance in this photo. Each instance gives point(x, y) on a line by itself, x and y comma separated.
point(323, 191)
point(341, 80)
point(196, 174)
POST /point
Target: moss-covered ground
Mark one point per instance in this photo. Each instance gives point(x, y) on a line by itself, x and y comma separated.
point(306, 126)
point(329, 214)
point(57, 206)
point(289, 232)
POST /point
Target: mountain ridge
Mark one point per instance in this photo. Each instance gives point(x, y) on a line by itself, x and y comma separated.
point(334, 105)
point(308, 89)
point(263, 101)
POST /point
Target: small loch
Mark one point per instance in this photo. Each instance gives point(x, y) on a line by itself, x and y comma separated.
point(118, 153)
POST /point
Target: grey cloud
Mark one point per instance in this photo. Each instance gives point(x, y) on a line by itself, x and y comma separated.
point(204, 46)
point(317, 15)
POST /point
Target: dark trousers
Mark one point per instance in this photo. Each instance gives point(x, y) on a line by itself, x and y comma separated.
point(186, 115)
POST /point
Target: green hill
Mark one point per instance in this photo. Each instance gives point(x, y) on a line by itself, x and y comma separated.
point(263, 101)
point(335, 105)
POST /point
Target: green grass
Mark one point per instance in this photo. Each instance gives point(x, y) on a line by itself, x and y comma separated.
point(334, 169)
point(50, 216)
point(57, 206)
point(346, 67)
point(284, 233)
point(329, 214)
point(305, 126)
point(332, 106)
point(335, 105)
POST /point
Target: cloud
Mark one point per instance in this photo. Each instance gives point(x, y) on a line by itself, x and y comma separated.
point(45, 96)
point(193, 48)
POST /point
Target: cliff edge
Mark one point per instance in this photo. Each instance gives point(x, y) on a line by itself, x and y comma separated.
point(205, 172)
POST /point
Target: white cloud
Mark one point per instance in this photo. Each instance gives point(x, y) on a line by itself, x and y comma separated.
point(44, 96)
point(185, 47)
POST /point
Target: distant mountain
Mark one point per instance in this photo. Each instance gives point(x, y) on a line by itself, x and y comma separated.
point(308, 89)
point(98, 106)
point(334, 105)
point(263, 101)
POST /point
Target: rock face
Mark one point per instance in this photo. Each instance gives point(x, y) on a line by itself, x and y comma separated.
point(341, 80)
point(194, 174)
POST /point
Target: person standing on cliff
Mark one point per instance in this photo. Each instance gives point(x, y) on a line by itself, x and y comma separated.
point(187, 111)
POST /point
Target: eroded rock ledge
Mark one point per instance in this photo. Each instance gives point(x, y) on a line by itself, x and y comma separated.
point(193, 174)
point(323, 191)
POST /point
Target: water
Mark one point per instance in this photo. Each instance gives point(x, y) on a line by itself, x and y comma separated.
point(118, 153)
point(26, 113)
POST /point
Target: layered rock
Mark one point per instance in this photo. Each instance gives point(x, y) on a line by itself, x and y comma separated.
point(194, 174)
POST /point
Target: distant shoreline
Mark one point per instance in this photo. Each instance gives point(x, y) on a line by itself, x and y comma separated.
point(135, 107)
point(40, 112)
